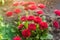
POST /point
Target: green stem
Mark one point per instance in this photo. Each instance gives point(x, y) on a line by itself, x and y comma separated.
point(39, 36)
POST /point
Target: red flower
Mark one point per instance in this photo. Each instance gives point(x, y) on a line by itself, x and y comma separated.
point(56, 24)
point(26, 3)
point(16, 38)
point(32, 7)
point(26, 33)
point(57, 12)
point(20, 26)
point(16, 4)
point(39, 12)
point(41, 5)
point(9, 13)
point(32, 27)
point(37, 19)
point(17, 11)
point(23, 18)
point(43, 25)
point(30, 18)
point(31, 3)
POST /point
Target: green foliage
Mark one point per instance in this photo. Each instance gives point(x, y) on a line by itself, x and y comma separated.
point(2, 2)
point(7, 31)
point(26, 24)
point(49, 36)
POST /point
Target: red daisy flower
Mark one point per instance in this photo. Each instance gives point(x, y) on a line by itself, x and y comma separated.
point(23, 18)
point(31, 3)
point(30, 18)
point(26, 3)
point(26, 33)
point(9, 13)
point(39, 12)
point(17, 38)
point(57, 12)
point(20, 26)
point(17, 11)
point(56, 24)
point(32, 27)
point(37, 19)
point(32, 7)
point(43, 25)
point(41, 5)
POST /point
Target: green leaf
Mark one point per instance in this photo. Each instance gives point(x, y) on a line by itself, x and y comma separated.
point(37, 37)
point(29, 39)
point(49, 28)
point(1, 18)
point(7, 31)
point(18, 23)
point(43, 18)
point(49, 36)
point(26, 24)
point(3, 2)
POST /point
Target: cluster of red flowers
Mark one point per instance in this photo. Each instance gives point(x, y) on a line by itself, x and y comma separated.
point(27, 5)
point(32, 26)
point(10, 13)
point(32, 20)
point(56, 23)
point(26, 32)
point(32, 5)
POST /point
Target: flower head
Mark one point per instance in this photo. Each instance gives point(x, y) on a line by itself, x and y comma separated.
point(31, 3)
point(43, 25)
point(56, 24)
point(17, 38)
point(23, 18)
point(57, 12)
point(20, 26)
point(32, 27)
point(9, 13)
point(30, 18)
point(26, 33)
point(17, 11)
point(41, 5)
point(37, 19)
point(26, 3)
point(39, 12)
point(32, 7)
